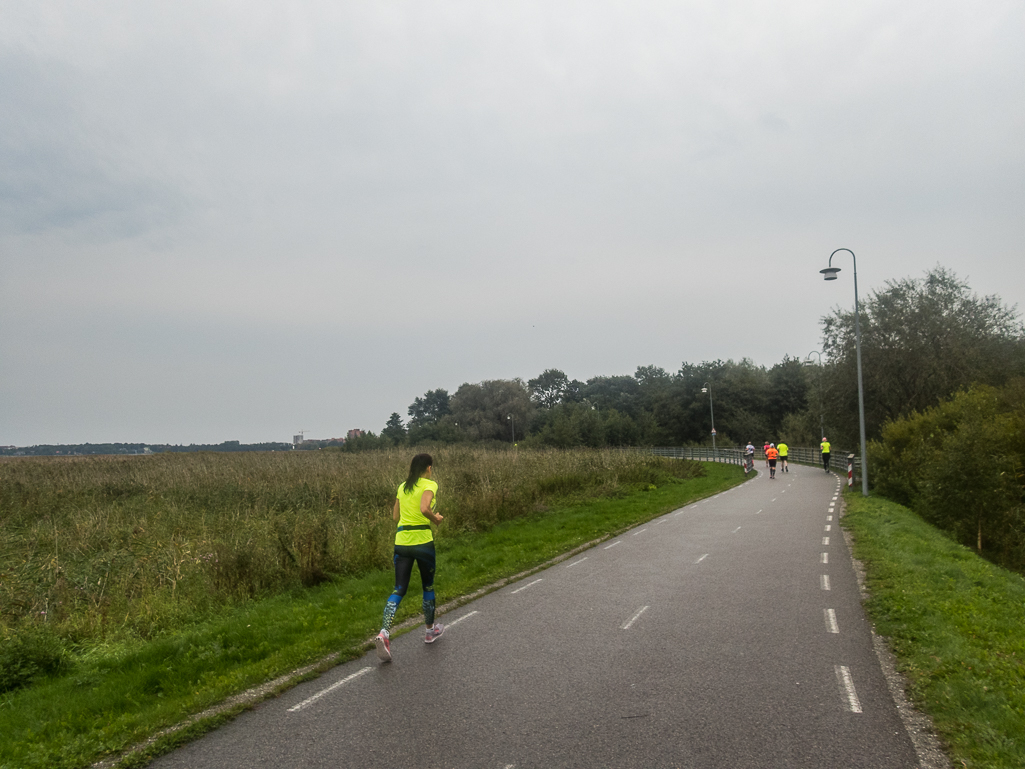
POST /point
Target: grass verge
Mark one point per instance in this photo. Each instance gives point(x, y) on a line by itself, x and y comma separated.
point(956, 625)
point(126, 694)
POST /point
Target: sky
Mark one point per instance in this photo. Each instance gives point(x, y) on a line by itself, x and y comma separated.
point(226, 220)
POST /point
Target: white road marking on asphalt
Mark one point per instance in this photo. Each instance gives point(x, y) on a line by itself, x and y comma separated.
point(831, 621)
point(736, 529)
point(825, 582)
point(640, 532)
point(843, 677)
point(825, 558)
point(834, 498)
point(829, 517)
point(530, 584)
point(825, 540)
point(660, 520)
point(613, 544)
point(633, 619)
point(328, 690)
point(699, 560)
point(828, 527)
point(457, 620)
point(773, 499)
point(576, 562)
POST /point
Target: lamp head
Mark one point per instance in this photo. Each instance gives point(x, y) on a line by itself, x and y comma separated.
point(830, 273)
point(704, 389)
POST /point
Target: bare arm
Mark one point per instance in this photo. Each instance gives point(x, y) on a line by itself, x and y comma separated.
point(395, 511)
point(425, 507)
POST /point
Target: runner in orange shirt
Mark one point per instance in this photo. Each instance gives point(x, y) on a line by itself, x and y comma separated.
point(771, 454)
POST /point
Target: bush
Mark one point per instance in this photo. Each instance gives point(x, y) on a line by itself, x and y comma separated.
point(27, 654)
point(960, 466)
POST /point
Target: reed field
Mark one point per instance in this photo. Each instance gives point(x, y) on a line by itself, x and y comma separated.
point(100, 550)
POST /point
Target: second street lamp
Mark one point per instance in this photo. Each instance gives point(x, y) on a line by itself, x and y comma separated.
point(807, 362)
point(830, 274)
point(708, 389)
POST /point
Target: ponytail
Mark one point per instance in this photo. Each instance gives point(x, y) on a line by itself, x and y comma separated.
point(417, 468)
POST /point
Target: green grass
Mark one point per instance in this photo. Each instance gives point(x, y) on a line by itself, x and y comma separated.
point(122, 693)
point(957, 626)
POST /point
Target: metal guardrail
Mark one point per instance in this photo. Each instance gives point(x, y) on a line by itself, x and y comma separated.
point(839, 458)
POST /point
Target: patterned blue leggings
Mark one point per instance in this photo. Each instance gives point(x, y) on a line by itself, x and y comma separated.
point(405, 556)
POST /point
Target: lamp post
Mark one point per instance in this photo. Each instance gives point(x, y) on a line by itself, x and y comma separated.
point(512, 428)
point(708, 389)
point(807, 362)
point(830, 274)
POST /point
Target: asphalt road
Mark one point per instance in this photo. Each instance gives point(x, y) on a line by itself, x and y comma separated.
point(728, 633)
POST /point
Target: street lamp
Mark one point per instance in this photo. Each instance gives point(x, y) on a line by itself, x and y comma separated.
point(830, 274)
point(807, 362)
point(512, 427)
point(708, 389)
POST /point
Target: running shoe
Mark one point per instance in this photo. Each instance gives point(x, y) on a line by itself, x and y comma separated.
point(434, 633)
point(383, 647)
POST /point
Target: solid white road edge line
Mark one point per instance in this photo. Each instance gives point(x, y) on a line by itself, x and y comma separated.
point(328, 690)
point(529, 584)
point(633, 619)
point(843, 677)
point(831, 621)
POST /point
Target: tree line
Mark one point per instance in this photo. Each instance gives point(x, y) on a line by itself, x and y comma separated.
point(923, 339)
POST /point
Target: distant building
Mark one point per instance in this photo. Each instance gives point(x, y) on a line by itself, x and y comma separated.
point(353, 434)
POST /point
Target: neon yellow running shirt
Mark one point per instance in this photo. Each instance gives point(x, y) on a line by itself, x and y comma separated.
point(825, 447)
point(410, 515)
point(783, 449)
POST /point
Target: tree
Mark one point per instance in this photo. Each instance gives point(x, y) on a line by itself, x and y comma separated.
point(549, 389)
point(922, 340)
point(429, 409)
point(394, 431)
point(483, 410)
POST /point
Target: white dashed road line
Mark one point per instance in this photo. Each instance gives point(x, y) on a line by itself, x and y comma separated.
point(633, 619)
point(831, 621)
point(612, 545)
point(310, 700)
point(825, 582)
point(825, 558)
point(457, 620)
point(568, 565)
point(529, 584)
point(699, 560)
point(850, 696)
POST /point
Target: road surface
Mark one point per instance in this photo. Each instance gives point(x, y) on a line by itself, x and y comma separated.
point(728, 633)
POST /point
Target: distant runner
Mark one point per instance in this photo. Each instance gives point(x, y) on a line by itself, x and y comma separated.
point(749, 458)
point(765, 452)
point(783, 449)
point(771, 454)
point(825, 453)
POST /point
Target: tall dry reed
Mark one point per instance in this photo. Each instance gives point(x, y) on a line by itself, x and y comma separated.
point(108, 547)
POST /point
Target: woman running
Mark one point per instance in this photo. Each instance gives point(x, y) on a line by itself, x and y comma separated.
point(414, 542)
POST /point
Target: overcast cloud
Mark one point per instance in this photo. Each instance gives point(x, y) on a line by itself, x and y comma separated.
point(231, 221)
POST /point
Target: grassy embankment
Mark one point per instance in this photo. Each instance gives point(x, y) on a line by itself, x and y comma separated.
point(137, 591)
point(956, 623)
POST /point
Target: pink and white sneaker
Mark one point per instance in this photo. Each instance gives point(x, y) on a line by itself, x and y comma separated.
point(434, 633)
point(383, 647)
